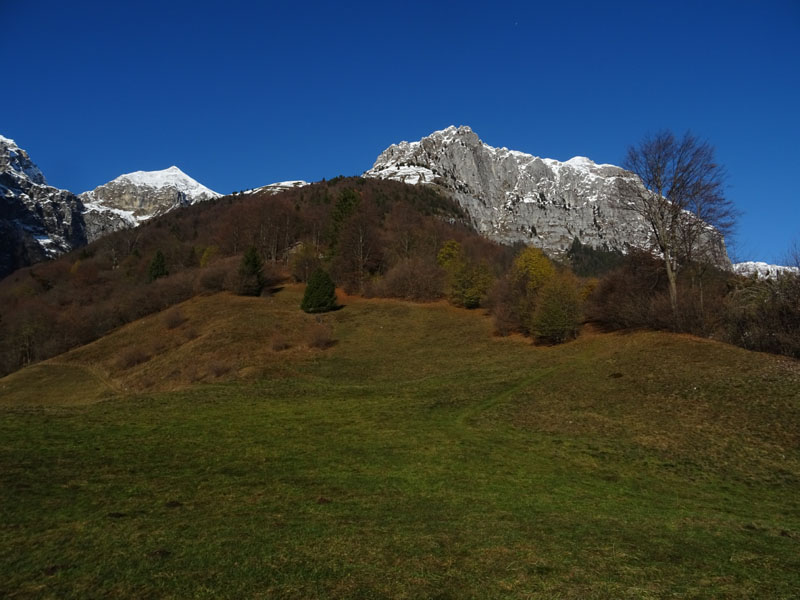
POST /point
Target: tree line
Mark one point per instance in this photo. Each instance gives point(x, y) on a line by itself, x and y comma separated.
point(384, 238)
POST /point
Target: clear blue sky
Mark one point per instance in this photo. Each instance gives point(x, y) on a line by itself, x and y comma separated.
point(241, 94)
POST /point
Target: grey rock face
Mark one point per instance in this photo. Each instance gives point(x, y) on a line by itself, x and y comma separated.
point(516, 197)
point(38, 221)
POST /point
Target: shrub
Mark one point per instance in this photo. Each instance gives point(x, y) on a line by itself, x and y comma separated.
point(280, 343)
point(504, 307)
point(132, 357)
point(764, 315)
point(213, 279)
point(174, 318)
point(320, 336)
point(320, 294)
point(218, 368)
point(305, 260)
point(557, 317)
point(412, 279)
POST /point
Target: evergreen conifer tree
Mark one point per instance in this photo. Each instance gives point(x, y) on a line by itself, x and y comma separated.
point(158, 267)
point(251, 274)
point(320, 293)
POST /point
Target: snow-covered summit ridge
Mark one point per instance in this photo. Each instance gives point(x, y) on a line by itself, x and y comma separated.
point(171, 177)
point(763, 270)
point(395, 163)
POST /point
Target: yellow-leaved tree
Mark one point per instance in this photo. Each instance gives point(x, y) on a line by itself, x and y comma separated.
point(467, 281)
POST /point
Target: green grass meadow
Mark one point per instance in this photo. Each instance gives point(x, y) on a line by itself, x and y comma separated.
point(418, 457)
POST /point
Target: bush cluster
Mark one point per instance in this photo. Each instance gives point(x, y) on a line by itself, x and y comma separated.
point(538, 299)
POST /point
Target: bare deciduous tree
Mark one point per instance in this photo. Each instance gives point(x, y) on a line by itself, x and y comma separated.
point(682, 201)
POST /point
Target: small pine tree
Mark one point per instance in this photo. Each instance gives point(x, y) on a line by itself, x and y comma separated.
point(320, 293)
point(158, 267)
point(251, 274)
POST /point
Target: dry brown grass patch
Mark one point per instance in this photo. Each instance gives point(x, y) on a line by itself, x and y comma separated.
point(320, 336)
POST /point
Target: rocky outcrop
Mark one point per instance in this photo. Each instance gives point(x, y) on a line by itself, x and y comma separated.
point(37, 221)
point(516, 197)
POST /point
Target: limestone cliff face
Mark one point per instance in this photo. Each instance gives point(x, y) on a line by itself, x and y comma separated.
point(516, 197)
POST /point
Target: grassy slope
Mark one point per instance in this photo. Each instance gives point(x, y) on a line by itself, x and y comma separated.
point(418, 457)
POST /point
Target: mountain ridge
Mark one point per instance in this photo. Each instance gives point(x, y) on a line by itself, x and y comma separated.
point(39, 221)
point(516, 197)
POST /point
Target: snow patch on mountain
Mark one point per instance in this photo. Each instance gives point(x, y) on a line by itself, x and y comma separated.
point(280, 186)
point(763, 270)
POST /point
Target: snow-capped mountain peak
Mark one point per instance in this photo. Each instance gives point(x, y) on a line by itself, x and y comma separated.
point(135, 197)
point(171, 177)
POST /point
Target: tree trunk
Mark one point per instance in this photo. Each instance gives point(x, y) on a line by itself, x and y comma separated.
point(673, 287)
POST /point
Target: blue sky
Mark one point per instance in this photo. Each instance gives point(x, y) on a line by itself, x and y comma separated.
point(241, 94)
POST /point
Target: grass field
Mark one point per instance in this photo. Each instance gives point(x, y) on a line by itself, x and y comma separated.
point(417, 457)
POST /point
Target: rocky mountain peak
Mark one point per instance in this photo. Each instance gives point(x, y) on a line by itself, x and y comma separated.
point(15, 162)
point(513, 196)
point(38, 221)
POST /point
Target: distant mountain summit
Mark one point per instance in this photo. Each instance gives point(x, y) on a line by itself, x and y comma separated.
point(517, 197)
point(38, 221)
point(135, 197)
